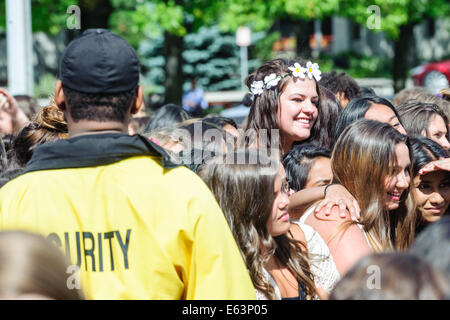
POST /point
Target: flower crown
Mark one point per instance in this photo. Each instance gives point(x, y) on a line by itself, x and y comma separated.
point(271, 81)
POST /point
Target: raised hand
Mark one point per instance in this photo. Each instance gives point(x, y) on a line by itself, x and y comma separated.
point(338, 195)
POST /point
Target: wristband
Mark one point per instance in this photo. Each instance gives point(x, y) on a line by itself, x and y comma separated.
point(328, 185)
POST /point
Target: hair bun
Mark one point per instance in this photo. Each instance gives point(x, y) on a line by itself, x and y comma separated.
point(51, 118)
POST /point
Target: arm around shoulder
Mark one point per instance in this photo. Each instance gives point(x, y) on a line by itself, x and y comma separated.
point(345, 239)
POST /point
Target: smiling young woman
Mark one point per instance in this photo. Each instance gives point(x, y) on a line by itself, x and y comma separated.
point(372, 161)
point(371, 108)
point(425, 119)
point(285, 98)
point(431, 188)
point(286, 104)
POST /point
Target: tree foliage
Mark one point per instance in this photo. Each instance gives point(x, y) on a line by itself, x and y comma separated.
point(261, 14)
point(395, 13)
point(210, 56)
point(48, 16)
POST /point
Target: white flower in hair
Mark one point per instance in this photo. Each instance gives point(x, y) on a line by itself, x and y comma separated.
point(312, 70)
point(271, 80)
point(257, 87)
point(297, 70)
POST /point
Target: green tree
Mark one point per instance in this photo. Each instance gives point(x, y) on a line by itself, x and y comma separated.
point(398, 18)
point(51, 16)
point(173, 19)
point(210, 56)
point(47, 15)
point(261, 14)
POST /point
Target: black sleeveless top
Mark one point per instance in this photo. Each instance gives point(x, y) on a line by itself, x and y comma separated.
point(301, 293)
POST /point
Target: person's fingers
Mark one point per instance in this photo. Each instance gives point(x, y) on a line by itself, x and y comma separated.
point(3, 101)
point(442, 164)
point(428, 168)
point(342, 208)
point(12, 103)
point(352, 210)
point(357, 209)
point(328, 207)
point(320, 205)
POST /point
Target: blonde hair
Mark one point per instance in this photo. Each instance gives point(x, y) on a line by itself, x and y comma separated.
point(445, 93)
point(30, 264)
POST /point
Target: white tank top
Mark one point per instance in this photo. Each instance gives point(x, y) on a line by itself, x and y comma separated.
point(311, 210)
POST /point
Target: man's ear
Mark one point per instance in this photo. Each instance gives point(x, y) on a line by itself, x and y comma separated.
point(137, 102)
point(60, 98)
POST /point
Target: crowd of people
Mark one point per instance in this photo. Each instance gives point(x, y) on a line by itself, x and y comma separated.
point(325, 191)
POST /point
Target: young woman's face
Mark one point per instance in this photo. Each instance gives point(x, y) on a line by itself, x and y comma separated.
point(6, 126)
point(278, 222)
point(383, 113)
point(320, 173)
point(437, 131)
point(397, 184)
point(432, 193)
point(297, 110)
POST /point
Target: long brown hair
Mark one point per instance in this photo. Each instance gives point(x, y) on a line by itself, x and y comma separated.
point(263, 113)
point(247, 216)
point(416, 116)
point(30, 264)
point(363, 157)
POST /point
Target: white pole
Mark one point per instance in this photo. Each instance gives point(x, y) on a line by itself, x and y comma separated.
point(19, 47)
point(244, 65)
point(243, 40)
point(318, 34)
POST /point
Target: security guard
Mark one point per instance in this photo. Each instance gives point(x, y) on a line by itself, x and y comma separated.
point(134, 224)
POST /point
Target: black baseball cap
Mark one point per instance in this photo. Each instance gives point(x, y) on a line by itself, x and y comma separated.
point(99, 61)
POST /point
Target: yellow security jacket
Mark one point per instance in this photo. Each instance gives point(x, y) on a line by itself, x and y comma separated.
point(137, 226)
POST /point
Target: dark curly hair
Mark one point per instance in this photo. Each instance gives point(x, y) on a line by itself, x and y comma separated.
point(98, 106)
point(341, 83)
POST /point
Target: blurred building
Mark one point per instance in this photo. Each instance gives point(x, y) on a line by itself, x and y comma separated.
point(432, 39)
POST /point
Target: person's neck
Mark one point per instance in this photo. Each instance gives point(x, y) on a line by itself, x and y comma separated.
point(85, 127)
point(286, 145)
